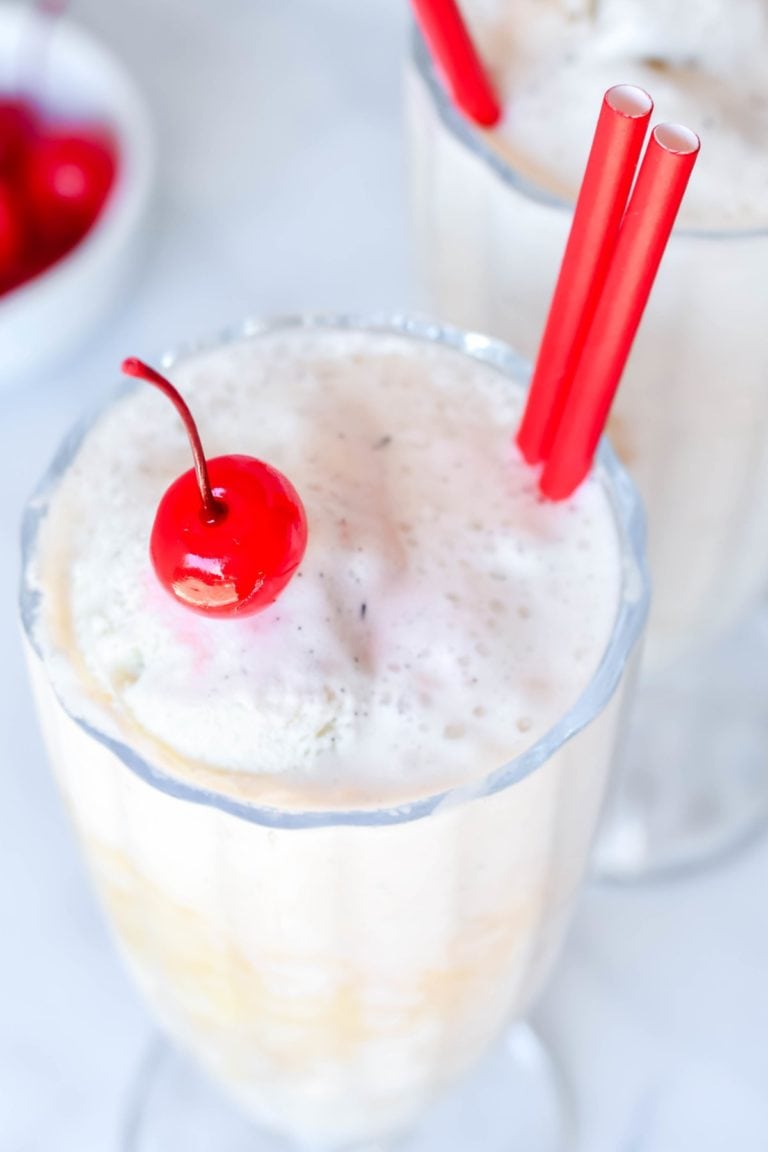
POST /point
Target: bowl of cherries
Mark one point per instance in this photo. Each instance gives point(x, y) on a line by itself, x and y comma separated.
point(76, 171)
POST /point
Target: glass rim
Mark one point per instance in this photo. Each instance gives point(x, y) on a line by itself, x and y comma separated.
point(473, 139)
point(627, 628)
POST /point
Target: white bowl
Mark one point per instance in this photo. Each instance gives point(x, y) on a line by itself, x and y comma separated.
point(46, 318)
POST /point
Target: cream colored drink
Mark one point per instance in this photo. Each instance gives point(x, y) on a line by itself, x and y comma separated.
point(339, 841)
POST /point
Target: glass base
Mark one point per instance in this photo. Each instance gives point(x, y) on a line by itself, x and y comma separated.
point(693, 782)
point(513, 1102)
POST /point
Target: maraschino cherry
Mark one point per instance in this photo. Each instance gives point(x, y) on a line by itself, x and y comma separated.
point(55, 176)
point(12, 235)
point(18, 128)
point(68, 176)
point(230, 533)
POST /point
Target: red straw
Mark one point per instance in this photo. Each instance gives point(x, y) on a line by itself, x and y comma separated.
point(661, 183)
point(610, 170)
point(451, 46)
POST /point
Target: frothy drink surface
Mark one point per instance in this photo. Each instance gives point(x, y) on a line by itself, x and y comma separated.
point(703, 63)
point(443, 618)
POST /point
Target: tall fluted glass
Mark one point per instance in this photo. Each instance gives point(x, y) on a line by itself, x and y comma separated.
point(338, 970)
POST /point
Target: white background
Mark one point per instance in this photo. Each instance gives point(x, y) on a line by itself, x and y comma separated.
point(282, 186)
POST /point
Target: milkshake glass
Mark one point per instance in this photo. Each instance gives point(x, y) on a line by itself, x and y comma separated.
point(339, 967)
point(690, 422)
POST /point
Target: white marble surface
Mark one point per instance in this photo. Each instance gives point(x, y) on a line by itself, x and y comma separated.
point(282, 187)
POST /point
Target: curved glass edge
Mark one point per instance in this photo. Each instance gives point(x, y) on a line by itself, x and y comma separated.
point(475, 141)
point(627, 630)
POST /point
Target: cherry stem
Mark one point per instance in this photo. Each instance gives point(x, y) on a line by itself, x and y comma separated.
point(212, 507)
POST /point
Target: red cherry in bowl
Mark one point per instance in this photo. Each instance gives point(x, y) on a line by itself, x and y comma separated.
point(230, 533)
point(68, 175)
point(18, 126)
point(13, 236)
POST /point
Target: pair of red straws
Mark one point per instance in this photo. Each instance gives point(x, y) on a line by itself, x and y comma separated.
point(611, 259)
point(610, 263)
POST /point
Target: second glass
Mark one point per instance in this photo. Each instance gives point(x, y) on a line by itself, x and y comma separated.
point(691, 423)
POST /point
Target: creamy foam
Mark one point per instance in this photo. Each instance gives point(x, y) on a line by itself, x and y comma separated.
point(703, 63)
point(443, 617)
